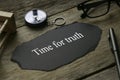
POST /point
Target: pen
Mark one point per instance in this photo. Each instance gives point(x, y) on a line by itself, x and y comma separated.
point(114, 48)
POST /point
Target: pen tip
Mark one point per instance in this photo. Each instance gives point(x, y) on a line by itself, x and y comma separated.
point(111, 29)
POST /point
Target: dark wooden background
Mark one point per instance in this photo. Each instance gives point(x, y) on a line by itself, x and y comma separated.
point(97, 65)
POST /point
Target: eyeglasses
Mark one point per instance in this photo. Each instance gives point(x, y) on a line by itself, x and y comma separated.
point(93, 9)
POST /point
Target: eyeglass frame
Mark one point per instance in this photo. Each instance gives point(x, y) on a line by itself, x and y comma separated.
point(86, 7)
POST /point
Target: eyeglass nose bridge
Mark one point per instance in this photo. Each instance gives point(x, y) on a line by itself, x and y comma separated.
point(84, 9)
point(80, 6)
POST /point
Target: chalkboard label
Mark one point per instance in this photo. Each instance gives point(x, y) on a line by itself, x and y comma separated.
point(57, 47)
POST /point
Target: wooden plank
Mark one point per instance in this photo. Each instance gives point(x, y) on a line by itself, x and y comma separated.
point(94, 61)
point(50, 6)
point(8, 20)
point(109, 74)
point(5, 14)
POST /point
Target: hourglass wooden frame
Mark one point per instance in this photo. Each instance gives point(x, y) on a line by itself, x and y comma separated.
point(7, 27)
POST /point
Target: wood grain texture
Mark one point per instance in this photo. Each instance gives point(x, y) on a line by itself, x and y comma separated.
point(96, 60)
point(20, 8)
point(109, 74)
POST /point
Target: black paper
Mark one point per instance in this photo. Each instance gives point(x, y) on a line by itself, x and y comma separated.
point(57, 47)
